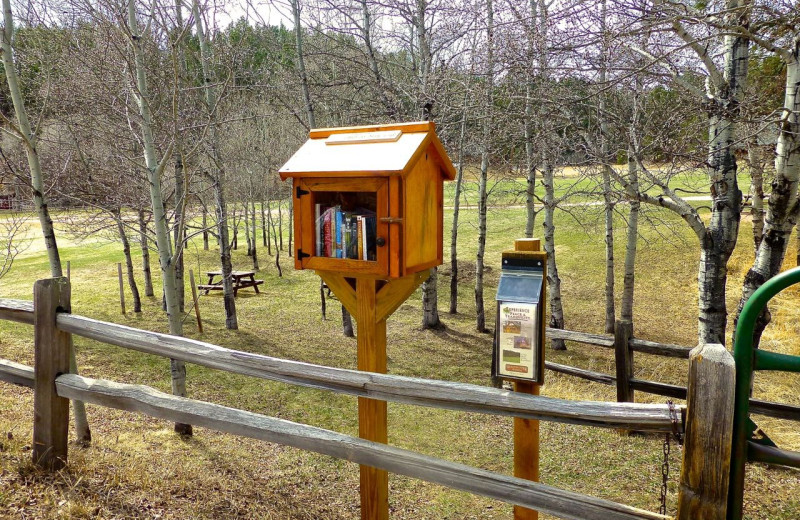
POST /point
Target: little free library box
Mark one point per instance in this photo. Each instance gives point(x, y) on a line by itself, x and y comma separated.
point(368, 200)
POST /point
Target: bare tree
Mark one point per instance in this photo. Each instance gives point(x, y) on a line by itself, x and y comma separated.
point(23, 131)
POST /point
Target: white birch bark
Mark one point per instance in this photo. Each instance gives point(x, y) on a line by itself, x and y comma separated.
point(480, 321)
point(783, 205)
point(456, 205)
point(608, 201)
point(718, 243)
point(143, 241)
point(530, 114)
point(301, 63)
point(155, 168)
point(217, 175)
point(30, 143)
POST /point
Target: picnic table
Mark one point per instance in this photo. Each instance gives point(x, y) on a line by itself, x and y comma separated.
point(241, 280)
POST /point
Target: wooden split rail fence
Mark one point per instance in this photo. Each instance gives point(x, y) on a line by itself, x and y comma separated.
point(624, 345)
point(703, 476)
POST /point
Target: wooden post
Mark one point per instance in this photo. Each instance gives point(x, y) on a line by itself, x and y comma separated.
point(371, 304)
point(196, 301)
point(526, 431)
point(121, 288)
point(372, 420)
point(705, 472)
point(623, 330)
point(51, 359)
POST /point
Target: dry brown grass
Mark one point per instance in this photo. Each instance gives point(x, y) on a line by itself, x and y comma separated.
point(137, 468)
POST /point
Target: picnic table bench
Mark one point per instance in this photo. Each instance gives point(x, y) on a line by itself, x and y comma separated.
point(241, 280)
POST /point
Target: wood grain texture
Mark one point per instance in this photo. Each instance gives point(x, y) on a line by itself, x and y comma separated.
point(16, 373)
point(342, 289)
point(396, 291)
point(526, 449)
point(589, 375)
point(600, 340)
point(409, 390)
point(705, 472)
point(51, 359)
point(372, 414)
point(623, 330)
point(20, 311)
point(548, 499)
point(659, 349)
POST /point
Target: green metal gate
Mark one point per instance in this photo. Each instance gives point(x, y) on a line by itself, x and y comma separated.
point(749, 443)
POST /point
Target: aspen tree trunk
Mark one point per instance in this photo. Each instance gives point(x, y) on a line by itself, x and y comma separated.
point(217, 178)
point(154, 171)
point(530, 105)
point(30, 142)
point(253, 233)
point(180, 174)
point(608, 203)
point(264, 241)
point(126, 250)
point(205, 228)
point(366, 33)
point(756, 164)
point(143, 241)
point(280, 225)
point(632, 231)
point(553, 280)
point(301, 62)
point(784, 205)
point(430, 307)
point(247, 229)
point(723, 229)
point(291, 226)
point(271, 227)
point(482, 186)
point(456, 205)
point(277, 251)
point(178, 225)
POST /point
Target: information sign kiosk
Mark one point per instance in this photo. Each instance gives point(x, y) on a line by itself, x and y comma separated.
point(519, 346)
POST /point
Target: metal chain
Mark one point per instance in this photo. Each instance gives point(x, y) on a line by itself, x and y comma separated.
point(666, 449)
point(664, 476)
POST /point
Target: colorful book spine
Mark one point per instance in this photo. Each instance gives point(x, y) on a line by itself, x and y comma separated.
point(318, 224)
point(326, 232)
point(339, 232)
point(360, 236)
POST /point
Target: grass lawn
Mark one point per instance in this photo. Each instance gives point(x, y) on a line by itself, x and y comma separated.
point(137, 468)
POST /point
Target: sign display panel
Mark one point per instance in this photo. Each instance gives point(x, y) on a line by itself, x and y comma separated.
point(517, 339)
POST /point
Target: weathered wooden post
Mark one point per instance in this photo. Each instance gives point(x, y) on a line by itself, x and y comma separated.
point(526, 431)
point(51, 359)
point(623, 355)
point(368, 214)
point(705, 472)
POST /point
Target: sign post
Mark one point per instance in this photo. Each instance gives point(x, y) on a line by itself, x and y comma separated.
point(519, 346)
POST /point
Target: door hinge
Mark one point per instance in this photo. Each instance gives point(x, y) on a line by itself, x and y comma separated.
point(300, 192)
point(301, 254)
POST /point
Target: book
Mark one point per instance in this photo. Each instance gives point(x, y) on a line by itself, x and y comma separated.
point(339, 232)
point(326, 233)
point(360, 236)
point(318, 227)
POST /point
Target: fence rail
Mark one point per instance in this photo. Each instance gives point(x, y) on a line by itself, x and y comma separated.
point(53, 387)
point(21, 311)
point(548, 499)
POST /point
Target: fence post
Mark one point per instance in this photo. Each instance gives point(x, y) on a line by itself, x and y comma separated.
point(51, 359)
point(705, 472)
point(623, 330)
